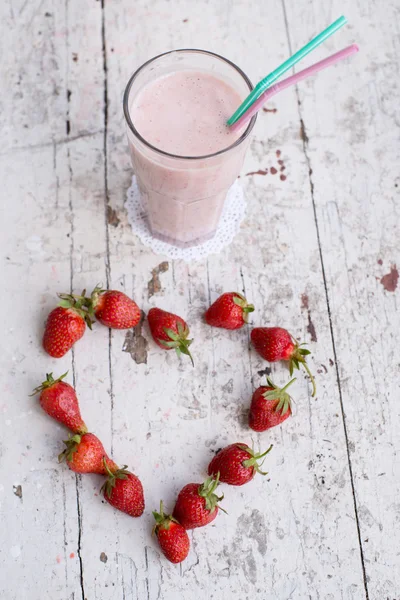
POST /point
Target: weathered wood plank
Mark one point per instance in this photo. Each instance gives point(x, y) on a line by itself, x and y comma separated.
point(89, 268)
point(40, 530)
point(33, 54)
point(39, 507)
point(313, 531)
point(351, 121)
point(293, 534)
point(58, 211)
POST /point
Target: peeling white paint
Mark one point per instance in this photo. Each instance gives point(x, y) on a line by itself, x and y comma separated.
point(294, 533)
point(15, 551)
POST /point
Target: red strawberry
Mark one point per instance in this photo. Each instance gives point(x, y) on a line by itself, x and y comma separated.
point(169, 331)
point(59, 400)
point(65, 325)
point(276, 343)
point(270, 406)
point(172, 537)
point(114, 309)
point(124, 491)
point(236, 464)
point(85, 454)
point(197, 505)
point(229, 311)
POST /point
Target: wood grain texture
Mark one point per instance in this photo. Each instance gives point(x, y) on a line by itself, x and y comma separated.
point(312, 255)
point(355, 191)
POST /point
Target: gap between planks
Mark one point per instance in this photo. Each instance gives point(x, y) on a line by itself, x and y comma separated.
point(71, 262)
point(106, 204)
point(311, 183)
point(108, 274)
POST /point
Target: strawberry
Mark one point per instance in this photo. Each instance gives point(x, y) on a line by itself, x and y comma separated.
point(123, 490)
point(236, 464)
point(169, 331)
point(270, 406)
point(229, 311)
point(276, 343)
point(59, 400)
point(172, 537)
point(65, 325)
point(197, 505)
point(114, 309)
point(85, 454)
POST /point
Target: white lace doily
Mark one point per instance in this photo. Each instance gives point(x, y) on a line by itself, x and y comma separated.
point(231, 218)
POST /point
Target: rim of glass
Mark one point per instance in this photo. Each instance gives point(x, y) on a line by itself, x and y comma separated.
point(128, 119)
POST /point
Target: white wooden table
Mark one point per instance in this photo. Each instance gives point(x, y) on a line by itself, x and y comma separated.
point(316, 253)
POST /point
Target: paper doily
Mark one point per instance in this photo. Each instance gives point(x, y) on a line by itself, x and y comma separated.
point(232, 215)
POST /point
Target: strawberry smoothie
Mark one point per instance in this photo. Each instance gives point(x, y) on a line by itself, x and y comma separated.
point(185, 113)
point(184, 156)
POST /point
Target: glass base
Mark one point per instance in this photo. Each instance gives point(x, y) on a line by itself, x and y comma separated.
point(179, 243)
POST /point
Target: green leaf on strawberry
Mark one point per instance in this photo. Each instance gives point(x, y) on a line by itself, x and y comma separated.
point(111, 480)
point(71, 447)
point(206, 491)
point(78, 304)
point(241, 301)
point(179, 341)
point(280, 394)
point(50, 381)
point(254, 458)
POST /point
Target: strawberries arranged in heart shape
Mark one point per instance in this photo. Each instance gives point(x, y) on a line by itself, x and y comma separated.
point(197, 504)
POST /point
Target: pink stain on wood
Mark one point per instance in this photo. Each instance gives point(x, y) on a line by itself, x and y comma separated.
point(167, 414)
point(390, 280)
point(72, 555)
point(58, 559)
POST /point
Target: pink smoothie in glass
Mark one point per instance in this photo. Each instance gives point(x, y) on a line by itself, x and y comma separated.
point(185, 113)
point(184, 156)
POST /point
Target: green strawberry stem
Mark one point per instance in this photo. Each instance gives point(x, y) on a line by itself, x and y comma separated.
point(311, 376)
point(252, 462)
point(159, 517)
point(178, 341)
point(48, 383)
point(71, 447)
point(79, 304)
point(299, 358)
point(277, 393)
point(244, 305)
point(288, 384)
point(92, 302)
point(109, 484)
point(107, 468)
point(88, 302)
point(162, 520)
point(206, 491)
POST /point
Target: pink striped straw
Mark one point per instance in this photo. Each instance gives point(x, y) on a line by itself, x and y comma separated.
point(278, 87)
